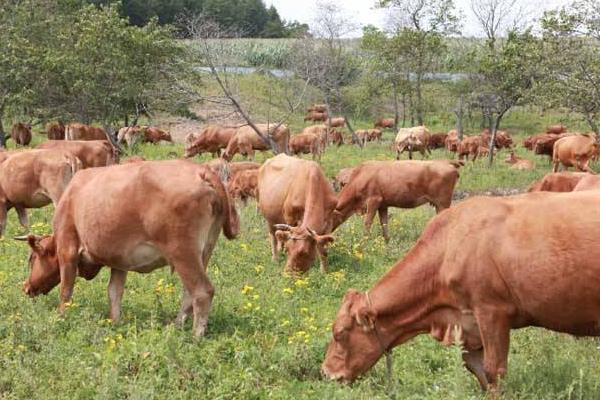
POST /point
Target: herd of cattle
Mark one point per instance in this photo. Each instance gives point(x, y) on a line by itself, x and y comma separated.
point(479, 269)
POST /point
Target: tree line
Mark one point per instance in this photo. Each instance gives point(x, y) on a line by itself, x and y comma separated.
point(247, 18)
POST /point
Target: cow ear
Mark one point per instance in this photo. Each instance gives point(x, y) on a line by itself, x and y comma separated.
point(324, 240)
point(282, 236)
point(33, 241)
point(365, 318)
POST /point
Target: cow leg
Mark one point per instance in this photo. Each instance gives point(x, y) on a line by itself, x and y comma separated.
point(274, 245)
point(67, 261)
point(3, 213)
point(555, 166)
point(373, 204)
point(185, 310)
point(585, 166)
point(193, 276)
point(410, 153)
point(116, 286)
point(397, 154)
point(22, 213)
point(474, 363)
point(383, 220)
point(495, 335)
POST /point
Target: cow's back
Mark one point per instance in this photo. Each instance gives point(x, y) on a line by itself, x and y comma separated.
point(92, 153)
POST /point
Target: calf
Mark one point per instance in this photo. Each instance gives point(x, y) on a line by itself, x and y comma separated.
point(377, 185)
point(191, 207)
point(481, 268)
point(297, 202)
point(519, 163)
point(33, 179)
point(21, 134)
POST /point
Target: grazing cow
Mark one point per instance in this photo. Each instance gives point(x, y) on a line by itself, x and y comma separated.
point(91, 153)
point(21, 134)
point(481, 268)
point(211, 139)
point(305, 143)
point(574, 151)
point(503, 139)
point(317, 108)
point(320, 131)
point(244, 184)
point(544, 145)
point(557, 182)
point(130, 135)
point(316, 116)
point(55, 130)
point(246, 140)
point(469, 146)
point(452, 141)
point(588, 182)
point(385, 123)
point(337, 122)
point(374, 134)
point(377, 185)
point(77, 131)
point(297, 201)
point(517, 162)
point(556, 129)
point(227, 170)
point(437, 141)
point(154, 135)
point(33, 179)
point(335, 137)
point(342, 178)
point(174, 213)
point(413, 139)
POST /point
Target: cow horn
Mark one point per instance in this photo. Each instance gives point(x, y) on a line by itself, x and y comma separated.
point(311, 232)
point(22, 238)
point(283, 227)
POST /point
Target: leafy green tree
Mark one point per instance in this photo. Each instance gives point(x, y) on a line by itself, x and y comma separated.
point(571, 67)
point(421, 26)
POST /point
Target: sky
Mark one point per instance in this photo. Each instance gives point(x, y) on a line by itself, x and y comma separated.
point(365, 14)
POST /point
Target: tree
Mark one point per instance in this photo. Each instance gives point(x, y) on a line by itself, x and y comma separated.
point(325, 61)
point(422, 25)
point(571, 71)
point(499, 17)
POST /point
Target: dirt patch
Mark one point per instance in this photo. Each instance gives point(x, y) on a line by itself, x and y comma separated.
point(495, 192)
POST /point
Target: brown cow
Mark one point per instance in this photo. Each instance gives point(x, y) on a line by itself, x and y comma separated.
point(191, 208)
point(320, 131)
point(246, 140)
point(362, 135)
point(297, 201)
point(469, 146)
point(77, 131)
point(154, 135)
point(384, 123)
point(413, 139)
point(244, 184)
point(574, 151)
point(481, 268)
point(556, 129)
point(342, 178)
point(374, 135)
point(316, 116)
point(21, 134)
point(33, 179)
point(437, 141)
point(452, 141)
point(519, 163)
point(544, 145)
point(305, 143)
point(55, 130)
point(557, 182)
point(92, 153)
point(588, 182)
point(503, 139)
point(211, 139)
point(377, 185)
point(130, 135)
point(337, 122)
point(318, 108)
point(335, 137)
point(227, 170)
point(531, 141)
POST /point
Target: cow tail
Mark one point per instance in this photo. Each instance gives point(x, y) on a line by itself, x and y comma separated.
point(231, 222)
point(72, 165)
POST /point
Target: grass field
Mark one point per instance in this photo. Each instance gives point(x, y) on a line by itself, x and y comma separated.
point(267, 332)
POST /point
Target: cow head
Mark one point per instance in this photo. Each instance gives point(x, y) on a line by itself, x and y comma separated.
point(355, 346)
point(301, 244)
point(44, 272)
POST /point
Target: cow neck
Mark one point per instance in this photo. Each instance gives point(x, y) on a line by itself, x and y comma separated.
point(406, 298)
point(346, 204)
point(318, 204)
